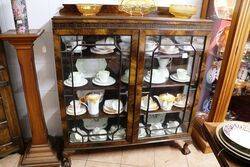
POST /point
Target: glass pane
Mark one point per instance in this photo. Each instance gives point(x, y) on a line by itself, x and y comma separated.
point(95, 79)
point(171, 73)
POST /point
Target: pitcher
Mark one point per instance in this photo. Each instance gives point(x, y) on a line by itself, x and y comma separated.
point(163, 66)
point(93, 101)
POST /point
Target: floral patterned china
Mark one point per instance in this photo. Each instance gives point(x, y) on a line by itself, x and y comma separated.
point(235, 131)
point(231, 147)
point(76, 108)
point(152, 104)
point(111, 106)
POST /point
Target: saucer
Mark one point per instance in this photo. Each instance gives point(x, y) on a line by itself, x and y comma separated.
point(111, 81)
point(70, 110)
point(68, 83)
point(179, 105)
point(162, 80)
point(187, 48)
point(157, 131)
point(91, 124)
point(154, 105)
point(101, 51)
point(166, 51)
point(175, 78)
point(124, 79)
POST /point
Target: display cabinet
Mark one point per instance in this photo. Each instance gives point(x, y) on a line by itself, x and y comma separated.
point(127, 80)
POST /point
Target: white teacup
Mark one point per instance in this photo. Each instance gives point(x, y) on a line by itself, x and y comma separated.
point(181, 73)
point(77, 105)
point(103, 76)
point(78, 77)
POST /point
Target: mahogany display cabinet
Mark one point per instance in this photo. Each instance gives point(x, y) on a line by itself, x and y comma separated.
point(127, 80)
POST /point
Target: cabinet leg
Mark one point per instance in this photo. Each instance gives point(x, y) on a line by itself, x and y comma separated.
point(185, 149)
point(66, 162)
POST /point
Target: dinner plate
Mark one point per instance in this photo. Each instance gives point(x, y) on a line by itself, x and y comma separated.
point(175, 78)
point(110, 81)
point(68, 83)
point(162, 80)
point(235, 130)
point(231, 149)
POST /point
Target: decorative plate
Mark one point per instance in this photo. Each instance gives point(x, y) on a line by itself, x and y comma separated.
point(238, 132)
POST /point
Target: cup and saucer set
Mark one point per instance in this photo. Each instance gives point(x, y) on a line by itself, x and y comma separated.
point(76, 46)
point(112, 106)
point(168, 47)
point(104, 46)
point(103, 78)
point(116, 133)
point(76, 80)
point(181, 76)
point(157, 76)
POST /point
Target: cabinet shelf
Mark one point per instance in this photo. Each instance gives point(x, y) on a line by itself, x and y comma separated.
point(101, 115)
point(91, 86)
point(87, 54)
point(169, 83)
point(161, 111)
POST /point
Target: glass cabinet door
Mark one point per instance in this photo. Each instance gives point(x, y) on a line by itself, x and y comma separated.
point(171, 73)
point(96, 76)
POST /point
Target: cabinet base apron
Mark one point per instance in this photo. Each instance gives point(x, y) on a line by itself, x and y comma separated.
point(39, 155)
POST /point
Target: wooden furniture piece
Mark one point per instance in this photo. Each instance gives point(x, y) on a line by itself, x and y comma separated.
point(76, 35)
point(10, 133)
point(39, 152)
point(222, 156)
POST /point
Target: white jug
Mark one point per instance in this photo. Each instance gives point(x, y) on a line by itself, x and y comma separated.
point(93, 101)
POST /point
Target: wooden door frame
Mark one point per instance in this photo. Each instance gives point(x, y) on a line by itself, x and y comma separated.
point(132, 80)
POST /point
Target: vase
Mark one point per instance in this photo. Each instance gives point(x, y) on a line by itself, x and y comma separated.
point(20, 15)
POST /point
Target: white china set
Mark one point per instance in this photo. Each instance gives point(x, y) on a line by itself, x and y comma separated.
point(166, 102)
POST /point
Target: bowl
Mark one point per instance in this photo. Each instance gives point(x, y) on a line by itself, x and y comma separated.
point(88, 9)
point(183, 11)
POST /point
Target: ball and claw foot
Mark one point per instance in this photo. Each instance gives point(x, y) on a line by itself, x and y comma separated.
point(66, 162)
point(185, 149)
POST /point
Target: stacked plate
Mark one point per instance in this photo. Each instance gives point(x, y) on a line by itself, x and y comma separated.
point(234, 136)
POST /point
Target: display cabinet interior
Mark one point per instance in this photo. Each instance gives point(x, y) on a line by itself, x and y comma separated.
point(127, 81)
